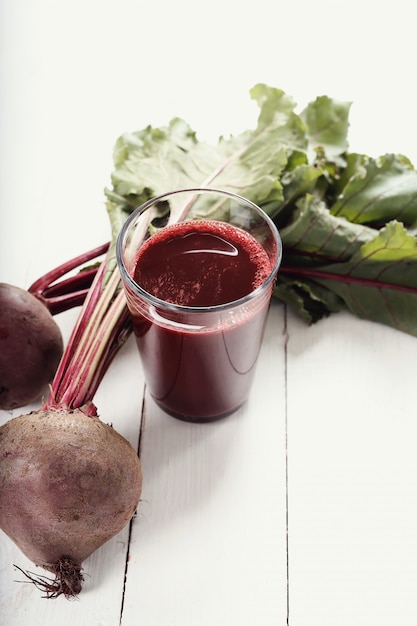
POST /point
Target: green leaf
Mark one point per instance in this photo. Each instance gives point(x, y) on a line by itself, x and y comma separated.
point(379, 282)
point(151, 161)
point(277, 115)
point(378, 191)
point(327, 123)
point(314, 234)
point(295, 183)
point(311, 301)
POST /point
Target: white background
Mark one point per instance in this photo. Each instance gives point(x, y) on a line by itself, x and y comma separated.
point(209, 544)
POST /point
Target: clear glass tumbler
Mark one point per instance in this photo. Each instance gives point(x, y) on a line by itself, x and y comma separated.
point(198, 268)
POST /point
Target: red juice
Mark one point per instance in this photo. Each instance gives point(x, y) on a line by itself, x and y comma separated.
point(199, 362)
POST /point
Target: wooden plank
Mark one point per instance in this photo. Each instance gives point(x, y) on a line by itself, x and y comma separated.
point(352, 477)
point(209, 542)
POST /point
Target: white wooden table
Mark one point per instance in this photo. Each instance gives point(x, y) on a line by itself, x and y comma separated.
point(302, 507)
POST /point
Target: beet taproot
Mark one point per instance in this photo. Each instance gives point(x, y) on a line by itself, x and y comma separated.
point(68, 483)
point(31, 347)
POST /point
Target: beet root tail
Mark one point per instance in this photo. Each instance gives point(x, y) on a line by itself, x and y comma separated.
point(67, 582)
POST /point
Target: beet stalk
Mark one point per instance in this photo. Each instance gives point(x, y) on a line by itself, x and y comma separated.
point(68, 481)
point(60, 295)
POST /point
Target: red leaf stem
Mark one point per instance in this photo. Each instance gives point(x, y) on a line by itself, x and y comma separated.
point(92, 343)
point(103, 325)
point(57, 386)
point(315, 273)
point(67, 293)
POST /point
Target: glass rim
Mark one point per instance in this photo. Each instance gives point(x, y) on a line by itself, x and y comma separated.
point(180, 308)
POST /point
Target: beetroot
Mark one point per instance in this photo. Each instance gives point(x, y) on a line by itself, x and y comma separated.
point(78, 484)
point(30, 347)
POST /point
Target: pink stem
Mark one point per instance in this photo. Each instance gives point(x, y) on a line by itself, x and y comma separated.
point(70, 292)
point(103, 325)
point(304, 272)
point(62, 374)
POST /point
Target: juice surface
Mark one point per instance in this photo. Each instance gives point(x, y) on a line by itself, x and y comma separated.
point(201, 263)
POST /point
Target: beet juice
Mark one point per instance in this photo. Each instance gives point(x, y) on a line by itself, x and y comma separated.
point(199, 357)
point(198, 267)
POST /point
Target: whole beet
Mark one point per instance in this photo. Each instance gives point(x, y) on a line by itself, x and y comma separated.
point(31, 346)
point(68, 483)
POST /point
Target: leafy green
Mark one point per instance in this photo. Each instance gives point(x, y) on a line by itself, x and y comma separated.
point(317, 234)
point(386, 189)
point(327, 123)
point(380, 280)
point(347, 220)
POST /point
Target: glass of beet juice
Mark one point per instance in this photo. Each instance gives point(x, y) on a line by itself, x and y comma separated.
point(198, 268)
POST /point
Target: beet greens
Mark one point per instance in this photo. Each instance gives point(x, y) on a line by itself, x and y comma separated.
point(347, 221)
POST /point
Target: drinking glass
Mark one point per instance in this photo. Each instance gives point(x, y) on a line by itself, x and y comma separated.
point(198, 360)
